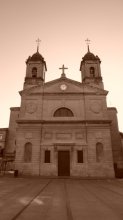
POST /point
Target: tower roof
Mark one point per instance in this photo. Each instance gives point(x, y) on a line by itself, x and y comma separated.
point(36, 57)
point(90, 56)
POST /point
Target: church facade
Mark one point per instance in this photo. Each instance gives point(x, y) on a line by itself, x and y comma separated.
point(64, 127)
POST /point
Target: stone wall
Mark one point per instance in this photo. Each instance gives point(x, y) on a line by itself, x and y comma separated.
point(116, 138)
point(3, 137)
point(11, 140)
point(69, 137)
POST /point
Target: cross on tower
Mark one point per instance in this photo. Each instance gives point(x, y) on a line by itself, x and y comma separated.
point(88, 42)
point(63, 68)
point(38, 43)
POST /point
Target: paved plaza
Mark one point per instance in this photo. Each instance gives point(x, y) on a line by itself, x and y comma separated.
point(60, 199)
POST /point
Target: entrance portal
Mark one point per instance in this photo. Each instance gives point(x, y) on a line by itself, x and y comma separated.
point(63, 163)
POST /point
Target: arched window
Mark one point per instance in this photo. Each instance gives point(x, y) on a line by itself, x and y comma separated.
point(28, 152)
point(99, 152)
point(34, 72)
point(63, 112)
point(92, 72)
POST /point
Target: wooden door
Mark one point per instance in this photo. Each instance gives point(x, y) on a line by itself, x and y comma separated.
point(63, 163)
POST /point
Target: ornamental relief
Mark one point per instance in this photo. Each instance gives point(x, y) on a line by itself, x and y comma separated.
point(95, 107)
point(47, 135)
point(63, 136)
point(31, 107)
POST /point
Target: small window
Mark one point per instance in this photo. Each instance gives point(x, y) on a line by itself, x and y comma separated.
point(80, 156)
point(47, 156)
point(92, 72)
point(34, 72)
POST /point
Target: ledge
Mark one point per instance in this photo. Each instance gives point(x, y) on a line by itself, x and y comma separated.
point(4, 129)
point(15, 108)
point(63, 121)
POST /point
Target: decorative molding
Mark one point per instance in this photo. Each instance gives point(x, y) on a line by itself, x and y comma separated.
point(23, 121)
point(3, 129)
point(28, 135)
point(47, 135)
point(64, 146)
point(64, 136)
point(15, 108)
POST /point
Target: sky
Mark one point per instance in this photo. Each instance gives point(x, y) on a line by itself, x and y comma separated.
point(62, 26)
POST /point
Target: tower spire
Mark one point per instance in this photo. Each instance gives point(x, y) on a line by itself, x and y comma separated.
point(38, 43)
point(88, 42)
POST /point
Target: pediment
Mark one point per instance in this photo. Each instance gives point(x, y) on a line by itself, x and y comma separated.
point(64, 86)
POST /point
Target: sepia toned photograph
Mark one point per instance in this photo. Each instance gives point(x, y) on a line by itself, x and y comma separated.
point(61, 112)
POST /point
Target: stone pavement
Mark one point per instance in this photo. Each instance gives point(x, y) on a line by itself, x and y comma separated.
point(60, 199)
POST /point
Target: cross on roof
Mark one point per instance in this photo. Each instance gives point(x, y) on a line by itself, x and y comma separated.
point(63, 68)
point(88, 42)
point(38, 43)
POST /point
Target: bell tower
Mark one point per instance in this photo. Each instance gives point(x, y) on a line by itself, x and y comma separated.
point(90, 69)
point(35, 69)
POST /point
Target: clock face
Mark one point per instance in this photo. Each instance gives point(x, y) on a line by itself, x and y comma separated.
point(63, 87)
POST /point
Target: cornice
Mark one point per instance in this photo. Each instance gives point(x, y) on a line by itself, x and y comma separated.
point(86, 122)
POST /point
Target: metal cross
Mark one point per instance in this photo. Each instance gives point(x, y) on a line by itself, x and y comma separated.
point(88, 42)
point(63, 68)
point(38, 43)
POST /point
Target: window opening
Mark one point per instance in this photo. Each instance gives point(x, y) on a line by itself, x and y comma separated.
point(92, 72)
point(63, 112)
point(47, 156)
point(34, 72)
point(80, 156)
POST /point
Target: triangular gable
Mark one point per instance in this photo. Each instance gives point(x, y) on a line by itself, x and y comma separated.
point(55, 86)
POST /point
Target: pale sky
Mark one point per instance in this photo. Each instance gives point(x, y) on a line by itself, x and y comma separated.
point(62, 26)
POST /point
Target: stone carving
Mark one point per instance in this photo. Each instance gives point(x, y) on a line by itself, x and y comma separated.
point(47, 135)
point(31, 107)
point(63, 136)
point(95, 107)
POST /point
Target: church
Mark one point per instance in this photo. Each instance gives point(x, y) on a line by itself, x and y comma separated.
point(63, 127)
